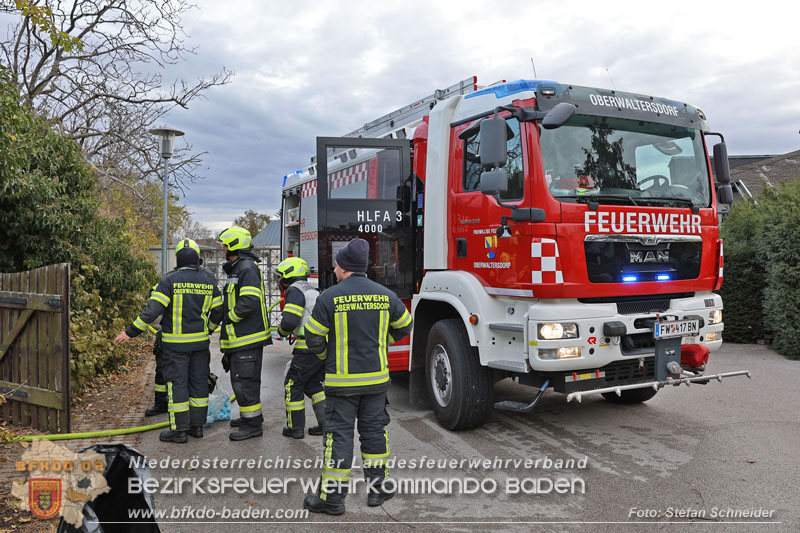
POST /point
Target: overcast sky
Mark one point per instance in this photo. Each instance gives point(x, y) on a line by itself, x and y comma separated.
point(304, 69)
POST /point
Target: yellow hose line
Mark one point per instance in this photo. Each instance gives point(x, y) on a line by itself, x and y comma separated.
point(91, 434)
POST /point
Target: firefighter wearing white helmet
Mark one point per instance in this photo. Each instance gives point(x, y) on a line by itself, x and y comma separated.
point(245, 330)
point(190, 304)
point(306, 371)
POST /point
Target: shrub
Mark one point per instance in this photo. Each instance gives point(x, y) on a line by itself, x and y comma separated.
point(780, 252)
point(743, 289)
point(49, 205)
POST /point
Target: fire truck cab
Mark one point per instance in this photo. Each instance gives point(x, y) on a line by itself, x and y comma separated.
point(563, 236)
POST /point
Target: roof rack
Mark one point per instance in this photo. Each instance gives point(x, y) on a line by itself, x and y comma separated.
point(412, 112)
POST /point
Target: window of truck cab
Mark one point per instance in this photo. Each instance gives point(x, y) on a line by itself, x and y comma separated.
point(615, 160)
point(472, 164)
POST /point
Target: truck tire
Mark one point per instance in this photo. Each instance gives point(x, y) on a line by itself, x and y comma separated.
point(460, 389)
point(630, 395)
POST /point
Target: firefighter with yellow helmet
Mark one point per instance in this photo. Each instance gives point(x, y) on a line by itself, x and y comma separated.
point(245, 330)
point(306, 371)
point(191, 307)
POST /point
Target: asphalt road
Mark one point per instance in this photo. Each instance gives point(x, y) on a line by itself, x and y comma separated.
point(692, 454)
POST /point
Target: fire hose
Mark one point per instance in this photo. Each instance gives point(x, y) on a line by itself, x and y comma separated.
point(115, 432)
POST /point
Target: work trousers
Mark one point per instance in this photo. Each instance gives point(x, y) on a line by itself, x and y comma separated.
point(186, 375)
point(341, 413)
point(160, 383)
point(246, 383)
point(304, 378)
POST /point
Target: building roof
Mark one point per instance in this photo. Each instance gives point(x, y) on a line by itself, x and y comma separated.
point(269, 237)
point(768, 172)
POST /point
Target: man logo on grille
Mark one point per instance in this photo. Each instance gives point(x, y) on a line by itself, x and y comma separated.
point(659, 256)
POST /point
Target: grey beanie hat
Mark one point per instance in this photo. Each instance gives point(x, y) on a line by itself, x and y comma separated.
point(354, 256)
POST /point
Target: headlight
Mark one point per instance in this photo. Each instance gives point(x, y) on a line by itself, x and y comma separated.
point(712, 336)
point(715, 317)
point(568, 352)
point(558, 330)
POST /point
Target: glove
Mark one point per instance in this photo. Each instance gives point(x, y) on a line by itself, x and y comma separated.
point(226, 362)
point(157, 344)
point(212, 382)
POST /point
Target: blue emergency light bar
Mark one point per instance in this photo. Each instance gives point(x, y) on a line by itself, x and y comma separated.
point(663, 277)
point(630, 279)
point(512, 87)
point(289, 175)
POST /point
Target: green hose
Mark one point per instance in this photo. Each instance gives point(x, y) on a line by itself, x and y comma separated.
point(90, 434)
point(110, 432)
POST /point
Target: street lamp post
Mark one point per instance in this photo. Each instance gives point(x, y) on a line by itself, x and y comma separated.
point(167, 145)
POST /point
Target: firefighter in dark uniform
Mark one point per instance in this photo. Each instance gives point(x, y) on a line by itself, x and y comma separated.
point(245, 330)
point(351, 328)
point(160, 389)
point(306, 371)
point(160, 401)
point(191, 307)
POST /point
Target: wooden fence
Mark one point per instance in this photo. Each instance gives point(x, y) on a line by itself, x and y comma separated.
point(34, 348)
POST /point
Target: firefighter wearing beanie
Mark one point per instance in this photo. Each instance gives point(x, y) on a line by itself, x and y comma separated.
point(351, 328)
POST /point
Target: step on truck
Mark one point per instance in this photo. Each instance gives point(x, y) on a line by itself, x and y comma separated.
point(566, 237)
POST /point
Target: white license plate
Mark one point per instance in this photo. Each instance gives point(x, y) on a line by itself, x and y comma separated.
point(677, 328)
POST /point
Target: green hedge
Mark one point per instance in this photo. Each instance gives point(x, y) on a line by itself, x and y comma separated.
point(761, 292)
point(780, 251)
point(743, 289)
point(49, 204)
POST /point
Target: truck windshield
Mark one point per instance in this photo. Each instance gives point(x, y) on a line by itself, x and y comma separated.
point(621, 161)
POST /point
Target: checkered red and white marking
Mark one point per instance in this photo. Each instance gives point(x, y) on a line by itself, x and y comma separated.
point(545, 262)
point(340, 178)
point(309, 189)
point(348, 175)
point(720, 259)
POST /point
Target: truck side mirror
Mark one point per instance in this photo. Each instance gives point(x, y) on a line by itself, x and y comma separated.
point(492, 151)
point(494, 181)
point(722, 170)
point(558, 116)
point(724, 193)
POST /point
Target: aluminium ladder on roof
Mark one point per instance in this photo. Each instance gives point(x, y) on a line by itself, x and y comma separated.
point(412, 112)
point(407, 115)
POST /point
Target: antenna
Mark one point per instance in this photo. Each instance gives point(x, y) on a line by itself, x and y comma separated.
point(534, 69)
point(610, 78)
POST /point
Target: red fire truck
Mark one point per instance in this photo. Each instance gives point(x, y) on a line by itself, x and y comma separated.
point(559, 235)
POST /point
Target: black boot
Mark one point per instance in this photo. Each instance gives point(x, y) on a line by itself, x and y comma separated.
point(315, 504)
point(319, 412)
point(156, 409)
point(196, 432)
point(248, 428)
point(236, 422)
point(295, 433)
point(376, 495)
point(173, 436)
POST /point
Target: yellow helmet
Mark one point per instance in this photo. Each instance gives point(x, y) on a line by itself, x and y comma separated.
point(235, 238)
point(293, 267)
point(187, 243)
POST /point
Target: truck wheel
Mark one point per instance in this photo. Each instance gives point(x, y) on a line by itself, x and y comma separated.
point(630, 395)
point(460, 389)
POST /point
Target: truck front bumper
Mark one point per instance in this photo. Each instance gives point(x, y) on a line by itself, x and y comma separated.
point(592, 348)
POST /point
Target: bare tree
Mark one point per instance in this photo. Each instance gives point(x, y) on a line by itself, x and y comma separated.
point(109, 89)
point(195, 230)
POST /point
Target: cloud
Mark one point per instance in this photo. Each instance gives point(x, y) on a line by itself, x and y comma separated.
point(305, 69)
